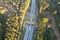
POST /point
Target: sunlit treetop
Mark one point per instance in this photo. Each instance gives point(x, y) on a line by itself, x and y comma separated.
point(58, 2)
point(3, 11)
point(45, 20)
point(49, 26)
point(14, 3)
point(54, 12)
point(1, 7)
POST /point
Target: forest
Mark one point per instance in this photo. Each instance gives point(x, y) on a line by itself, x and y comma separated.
point(14, 13)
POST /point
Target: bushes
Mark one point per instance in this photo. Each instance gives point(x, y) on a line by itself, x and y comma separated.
point(57, 19)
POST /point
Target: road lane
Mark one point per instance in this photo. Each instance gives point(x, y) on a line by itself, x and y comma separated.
point(33, 8)
point(29, 32)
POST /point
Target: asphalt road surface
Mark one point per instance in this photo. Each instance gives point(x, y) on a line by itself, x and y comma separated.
point(30, 27)
point(29, 32)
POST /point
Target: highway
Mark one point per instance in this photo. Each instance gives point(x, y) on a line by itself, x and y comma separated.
point(30, 27)
point(29, 32)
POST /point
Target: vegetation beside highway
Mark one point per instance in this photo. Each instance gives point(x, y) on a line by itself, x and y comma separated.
point(11, 25)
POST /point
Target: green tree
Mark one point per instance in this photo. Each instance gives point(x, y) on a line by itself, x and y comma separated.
point(12, 27)
point(2, 26)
